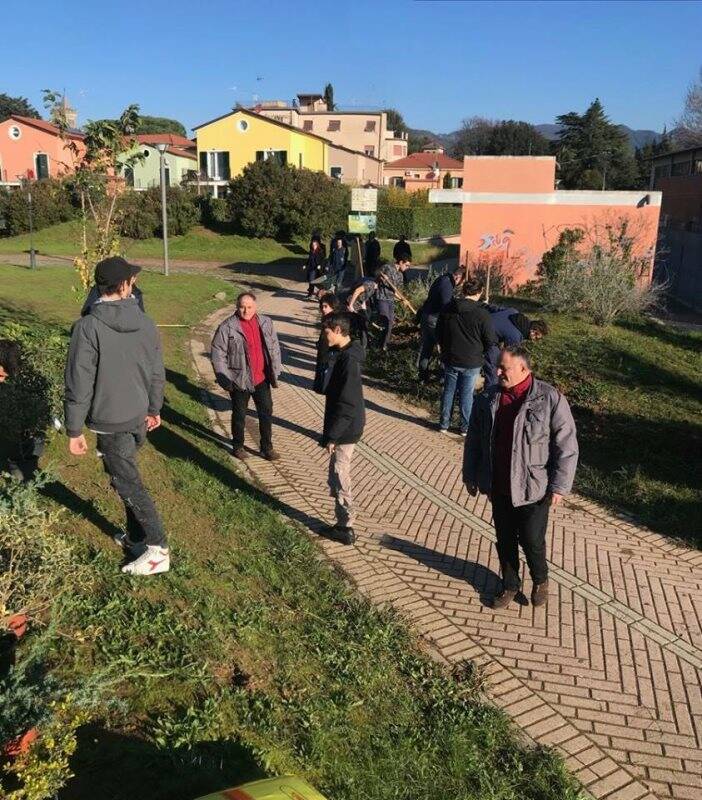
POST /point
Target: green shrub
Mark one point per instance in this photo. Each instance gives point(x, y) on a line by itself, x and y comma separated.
point(214, 210)
point(31, 401)
point(418, 222)
point(279, 201)
point(140, 216)
point(51, 204)
point(183, 211)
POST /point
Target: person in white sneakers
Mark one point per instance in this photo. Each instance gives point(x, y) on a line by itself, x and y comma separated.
point(114, 384)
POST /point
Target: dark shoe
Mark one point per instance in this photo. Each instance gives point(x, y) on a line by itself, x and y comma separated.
point(270, 455)
point(341, 533)
point(504, 598)
point(539, 594)
point(240, 453)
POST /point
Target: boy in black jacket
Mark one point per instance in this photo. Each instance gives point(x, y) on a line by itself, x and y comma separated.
point(344, 416)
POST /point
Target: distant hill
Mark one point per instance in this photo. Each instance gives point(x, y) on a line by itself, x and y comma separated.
point(637, 138)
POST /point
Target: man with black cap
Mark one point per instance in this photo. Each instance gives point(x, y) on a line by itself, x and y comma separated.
point(114, 384)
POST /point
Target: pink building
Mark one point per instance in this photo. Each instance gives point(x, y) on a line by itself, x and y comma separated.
point(430, 169)
point(512, 212)
point(32, 148)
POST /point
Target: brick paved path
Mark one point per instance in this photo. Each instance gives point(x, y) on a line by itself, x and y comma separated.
point(610, 672)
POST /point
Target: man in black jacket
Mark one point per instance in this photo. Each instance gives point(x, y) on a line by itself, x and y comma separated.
point(344, 417)
point(512, 328)
point(465, 334)
point(402, 251)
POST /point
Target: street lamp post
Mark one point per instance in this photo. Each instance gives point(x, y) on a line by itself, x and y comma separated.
point(164, 210)
point(32, 254)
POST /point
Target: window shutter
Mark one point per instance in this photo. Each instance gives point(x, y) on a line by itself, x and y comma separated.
point(203, 163)
point(224, 174)
point(42, 166)
point(282, 157)
point(259, 155)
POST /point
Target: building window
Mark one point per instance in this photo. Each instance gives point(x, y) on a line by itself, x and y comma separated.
point(300, 161)
point(334, 125)
point(308, 125)
point(336, 172)
point(698, 167)
point(398, 150)
point(146, 153)
point(370, 125)
point(369, 149)
point(281, 156)
point(242, 125)
point(398, 182)
point(14, 132)
point(680, 169)
point(129, 177)
point(215, 165)
point(41, 161)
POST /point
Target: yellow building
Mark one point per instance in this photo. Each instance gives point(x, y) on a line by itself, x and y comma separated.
point(227, 144)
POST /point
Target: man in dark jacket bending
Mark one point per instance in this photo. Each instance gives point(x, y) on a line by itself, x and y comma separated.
point(344, 417)
point(114, 384)
point(512, 328)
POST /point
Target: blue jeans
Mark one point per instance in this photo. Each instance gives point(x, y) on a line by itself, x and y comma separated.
point(464, 379)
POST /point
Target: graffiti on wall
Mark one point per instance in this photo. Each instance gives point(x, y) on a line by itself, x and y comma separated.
point(496, 242)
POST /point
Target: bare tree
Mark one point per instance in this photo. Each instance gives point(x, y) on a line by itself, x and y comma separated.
point(689, 124)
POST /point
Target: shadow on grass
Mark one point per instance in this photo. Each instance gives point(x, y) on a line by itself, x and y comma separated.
point(113, 766)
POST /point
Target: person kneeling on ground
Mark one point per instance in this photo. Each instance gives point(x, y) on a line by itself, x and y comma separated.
point(114, 382)
point(344, 417)
point(511, 327)
point(522, 451)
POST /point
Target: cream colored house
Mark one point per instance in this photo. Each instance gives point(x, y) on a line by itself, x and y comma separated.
point(364, 131)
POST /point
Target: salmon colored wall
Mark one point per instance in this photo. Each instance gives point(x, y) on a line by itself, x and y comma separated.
point(509, 173)
point(518, 235)
point(17, 155)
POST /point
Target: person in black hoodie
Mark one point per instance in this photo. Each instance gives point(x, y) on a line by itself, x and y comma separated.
point(344, 417)
point(314, 265)
point(465, 333)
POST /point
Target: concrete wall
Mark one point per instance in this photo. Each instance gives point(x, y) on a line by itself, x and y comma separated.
point(682, 200)
point(679, 264)
point(17, 156)
point(512, 214)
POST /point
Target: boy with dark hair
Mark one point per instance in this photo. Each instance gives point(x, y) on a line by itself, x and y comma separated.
point(114, 383)
point(344, 416)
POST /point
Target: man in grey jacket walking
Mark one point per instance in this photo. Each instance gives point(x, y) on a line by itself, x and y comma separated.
point(114, 384)
point(247, 363)
point(522, 451)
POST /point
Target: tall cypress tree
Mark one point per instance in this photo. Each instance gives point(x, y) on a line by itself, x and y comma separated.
point(329, 97)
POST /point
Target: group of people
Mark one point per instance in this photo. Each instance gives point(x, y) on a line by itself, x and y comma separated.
point(521, 447)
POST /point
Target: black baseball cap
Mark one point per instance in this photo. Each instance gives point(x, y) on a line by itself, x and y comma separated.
point(114, 270)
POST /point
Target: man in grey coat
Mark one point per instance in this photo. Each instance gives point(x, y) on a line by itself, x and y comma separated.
point(114, 385)
point(521, 451)
point(246, 359)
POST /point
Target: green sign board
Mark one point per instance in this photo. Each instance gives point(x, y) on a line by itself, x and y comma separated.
point(362, 222)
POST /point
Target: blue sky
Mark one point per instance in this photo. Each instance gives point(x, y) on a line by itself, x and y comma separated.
point(437, 62)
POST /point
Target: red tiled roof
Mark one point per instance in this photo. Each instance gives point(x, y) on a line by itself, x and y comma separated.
point(173, 139)
point(181, 153)
point(426, 161)
point(47, 127)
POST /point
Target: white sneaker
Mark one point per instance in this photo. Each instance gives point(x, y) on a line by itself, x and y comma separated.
point(150, 562)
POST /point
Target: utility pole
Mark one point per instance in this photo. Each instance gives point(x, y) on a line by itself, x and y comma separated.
point(164, 210)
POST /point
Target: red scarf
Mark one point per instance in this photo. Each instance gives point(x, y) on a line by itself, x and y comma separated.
point(257, 362)
point(511, 401)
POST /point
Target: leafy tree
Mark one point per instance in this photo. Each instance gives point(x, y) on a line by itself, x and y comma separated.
point(396, 121)
point(278, 200)
point(643, 156)
point(592, 152)
point(329, 97)
point(417, 142)
point(473, 139)
point(689, 126)
point(513, 138)
point(146, 124)
point(16, 105)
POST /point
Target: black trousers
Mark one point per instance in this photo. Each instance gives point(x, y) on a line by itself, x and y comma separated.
point(119, 451)
point(264, 407)
point(525, 526)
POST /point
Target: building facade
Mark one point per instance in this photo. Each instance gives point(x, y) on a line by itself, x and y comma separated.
point(180, 166)
point(430, 169)
point(679, 177)
point(363, 131)
point(33, 149)
point(512, 213)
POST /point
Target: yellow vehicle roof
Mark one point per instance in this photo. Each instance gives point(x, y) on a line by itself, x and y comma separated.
point(286, 788)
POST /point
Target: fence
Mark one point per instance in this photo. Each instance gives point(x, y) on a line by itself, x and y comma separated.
point(679, 263)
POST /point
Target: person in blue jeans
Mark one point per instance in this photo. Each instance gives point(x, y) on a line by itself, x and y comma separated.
point(465, 333)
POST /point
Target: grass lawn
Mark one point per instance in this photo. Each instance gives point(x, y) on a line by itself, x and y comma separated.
point(636, 393)
point(251, 656)
point(199, 244)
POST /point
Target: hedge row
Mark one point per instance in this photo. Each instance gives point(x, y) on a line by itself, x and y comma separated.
point(418, 223)
point(52, 202)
